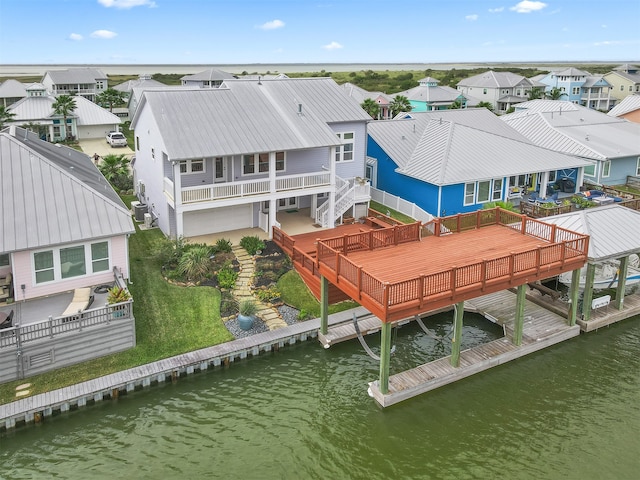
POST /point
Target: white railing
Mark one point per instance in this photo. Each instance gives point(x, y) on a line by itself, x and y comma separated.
point(400, 205)
point(347, 194)
point(168, 188)
point(253, 187)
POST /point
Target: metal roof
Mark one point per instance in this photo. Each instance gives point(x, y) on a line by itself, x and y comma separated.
point(579, 131)
point(12, 89)
point(424, 93)
point(630, 103)
point(50, 195)
point(250, 117)
point(457, 146)
point(614, 230)
point(41, 108)
point(138, 82)
point(359, 94)
point(209, 74)
point(571, 72)
point(75, 75)
point(491, 79)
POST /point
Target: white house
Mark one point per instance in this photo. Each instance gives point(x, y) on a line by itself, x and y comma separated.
point(210, 78)
point(84, 82)
point(500, 89)
point(214, 160)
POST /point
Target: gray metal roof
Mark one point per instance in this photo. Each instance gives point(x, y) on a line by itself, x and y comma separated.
point(51, 195)
point(630, 103)
point(491, 79)
point(626, 67)
point(423, 93)
point(571, 72)
point(129, 85)
point(250, 116)
point(41, 109)
point(75, 75)
point(580, 131)
point(456, 146)
point(359, 94)
point(209, 74)
point(12, 89)
point(614, 230)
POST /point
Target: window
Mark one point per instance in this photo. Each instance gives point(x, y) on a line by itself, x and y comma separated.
point(153, 153)
point(483, 191)
point(590, 171)
point(263, 162)
point(622, 88)
point(259, 163)
point(575, 91)
point(553, 174)
point(99, 257)
point(192, 166)
point(638, 167)
point(72, 262)
point(344, 153)
point(606, 168)
point(631, 88)
point(280, 161)
point(469, 193)
point(43, 263)
point(497, 189)
point(219, 167)
point(484, 91)
point(137, 143)
point(248, 165)
point(4, 260)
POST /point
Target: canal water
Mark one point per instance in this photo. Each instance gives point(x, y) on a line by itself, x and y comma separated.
point(569, 412)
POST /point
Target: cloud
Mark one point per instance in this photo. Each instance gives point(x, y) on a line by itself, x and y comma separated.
point(126, 4)
point(528, 6)
point(332, 46)
point(606, 43)
point(604, 26)
point(272, 25)
point(103, 34)
point(75, 37)
point(471, 18)
point(496, 10)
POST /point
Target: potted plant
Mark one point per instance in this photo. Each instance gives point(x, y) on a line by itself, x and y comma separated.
point(247, 309)
point(117, 295)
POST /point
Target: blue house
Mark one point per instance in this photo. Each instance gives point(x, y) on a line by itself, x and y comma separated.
point(428, 96)
point(455, 161)
point(580, 87)
point(611, 145)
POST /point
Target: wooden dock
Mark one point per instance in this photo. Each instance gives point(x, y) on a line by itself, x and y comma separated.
point(605, 316)
point(542, 329)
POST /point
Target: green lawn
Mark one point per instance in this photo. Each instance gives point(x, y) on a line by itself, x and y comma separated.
point(378, 207)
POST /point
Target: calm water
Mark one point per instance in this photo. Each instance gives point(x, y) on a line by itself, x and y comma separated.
point(570, 412)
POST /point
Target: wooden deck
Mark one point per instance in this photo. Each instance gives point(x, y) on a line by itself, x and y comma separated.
point(542, 329)
point(608, 315)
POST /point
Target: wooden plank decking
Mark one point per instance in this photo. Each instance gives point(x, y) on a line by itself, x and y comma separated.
point(542, 329)
point(608, 315)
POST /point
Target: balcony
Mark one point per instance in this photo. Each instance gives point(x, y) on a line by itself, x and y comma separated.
point(223, 191)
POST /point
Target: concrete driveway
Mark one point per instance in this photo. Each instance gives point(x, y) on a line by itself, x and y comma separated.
point(101, 147)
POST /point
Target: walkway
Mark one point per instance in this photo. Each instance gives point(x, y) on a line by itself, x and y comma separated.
point(242, 290)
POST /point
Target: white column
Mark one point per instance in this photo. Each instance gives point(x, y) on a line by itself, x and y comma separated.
point(272, 172)
point(273, 210)
point(543, 184)
point(177, 198)
point(332, 182)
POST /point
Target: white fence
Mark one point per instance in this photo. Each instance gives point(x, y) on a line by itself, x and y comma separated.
point(400, 205)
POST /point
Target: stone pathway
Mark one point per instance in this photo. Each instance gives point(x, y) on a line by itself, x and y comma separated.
point(242, 290)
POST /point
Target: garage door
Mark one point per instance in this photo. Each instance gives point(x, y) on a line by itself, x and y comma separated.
point(217, 220)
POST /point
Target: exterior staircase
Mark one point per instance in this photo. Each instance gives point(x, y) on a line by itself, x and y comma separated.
point(348, 193)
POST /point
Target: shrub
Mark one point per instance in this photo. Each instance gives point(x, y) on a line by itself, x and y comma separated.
point(303, 315)
point(227, 277)
point(223, 245)
point(247, 307)
point(252, 244)
point(168, 250)
point(268, 294)
point(195, 262)
point(118, 295)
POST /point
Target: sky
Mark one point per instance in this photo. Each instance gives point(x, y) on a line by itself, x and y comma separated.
point(317, 31)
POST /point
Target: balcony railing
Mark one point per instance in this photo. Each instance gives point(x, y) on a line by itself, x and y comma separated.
point(247, 188)
point(168, 188)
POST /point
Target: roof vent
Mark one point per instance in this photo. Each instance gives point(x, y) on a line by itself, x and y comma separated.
point(259, 80)
point(299, 109)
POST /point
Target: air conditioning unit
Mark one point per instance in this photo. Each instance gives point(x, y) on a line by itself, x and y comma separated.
point(148, 219)
point(139, 212)
point(134, 204)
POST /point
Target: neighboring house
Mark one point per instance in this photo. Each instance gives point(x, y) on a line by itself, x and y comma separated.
point(88, 120)
point(84, 82)
point(69, 214)
point(624, 81)
point(144, 80)
point(629, 108)
point(210, 78)
point(456, 161)
point(138, 90)
point(214, 160)
point(610, 144)
point(428, 96)
point(360, 95)
point(580, 87)
point(11, 91)
point(501, 89)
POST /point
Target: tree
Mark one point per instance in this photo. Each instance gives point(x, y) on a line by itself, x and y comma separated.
point(110, 97)
point(535, 93)
point(399, 104)
point(456, 105)
point(486, 105)
point(554, 94)
point(113, 166)
point(5, 116)
point(64, 105)
point(371, 107)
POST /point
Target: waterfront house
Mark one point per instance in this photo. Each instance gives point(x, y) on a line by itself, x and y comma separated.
point(210, 78)
point(428, 96)
point(624, 81)
point(83, 82)
point(629, 108)
point(610, 144)
point(456, 161)
point(87, 120)
point(501, 89)
point(580, 87)
point(63, 231)
point(228, 158)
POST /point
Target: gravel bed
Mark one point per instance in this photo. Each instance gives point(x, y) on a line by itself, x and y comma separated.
point(288, 314)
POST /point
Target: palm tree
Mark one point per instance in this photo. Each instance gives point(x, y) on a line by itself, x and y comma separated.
point(535, 93)
point(113, 166)
point(371, 107)
point(399, 104)
point(64, 105)
point(486, 105)
point(554, 94)
point(5, 116)
point(457, 104)
point(110, 97)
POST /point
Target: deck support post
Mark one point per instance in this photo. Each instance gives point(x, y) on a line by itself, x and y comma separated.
point(324, 305)
point(518, 324)
point(385, 354)
point(458, 313)
point(588, 292)
point(622, 282)
point(573, 295)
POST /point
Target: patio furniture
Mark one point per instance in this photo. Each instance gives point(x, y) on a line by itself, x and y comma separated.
point(6, 280)
point(534, 198)
point(82, 299)
point(6, 320)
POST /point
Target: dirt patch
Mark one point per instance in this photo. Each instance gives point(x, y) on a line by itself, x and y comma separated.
point(271, 264)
